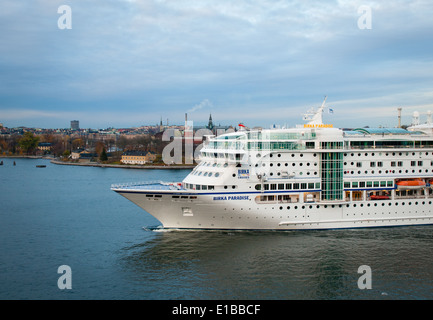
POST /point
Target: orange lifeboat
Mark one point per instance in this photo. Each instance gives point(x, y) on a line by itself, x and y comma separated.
point(377, 197)
point(412, 184)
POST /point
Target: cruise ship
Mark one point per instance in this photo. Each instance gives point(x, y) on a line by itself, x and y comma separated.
point(312, 176)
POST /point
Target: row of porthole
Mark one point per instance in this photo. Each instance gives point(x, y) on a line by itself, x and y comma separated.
point(303, 216)
point(300, 173)
point(372, 154)
point(279, 155)
point(386, 171)
point(208, 174)
point(355, 205)
point(264, 217)
point(213, 164)
point(286, 164)
point(386, 154)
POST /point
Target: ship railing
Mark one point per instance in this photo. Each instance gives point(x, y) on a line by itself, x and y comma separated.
point(155, 185)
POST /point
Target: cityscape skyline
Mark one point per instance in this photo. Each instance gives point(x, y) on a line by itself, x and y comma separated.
point(127, 63)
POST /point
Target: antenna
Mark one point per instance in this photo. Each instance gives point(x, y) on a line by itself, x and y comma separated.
point(399, 117)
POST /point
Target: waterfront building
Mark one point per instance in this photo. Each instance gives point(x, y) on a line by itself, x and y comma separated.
point(137, 157)
point(45, 146)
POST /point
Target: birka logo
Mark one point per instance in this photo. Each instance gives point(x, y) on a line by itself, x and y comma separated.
point(243, 174)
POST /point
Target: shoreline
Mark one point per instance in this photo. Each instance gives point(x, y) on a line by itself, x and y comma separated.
point(123, 166)
point(104, 165)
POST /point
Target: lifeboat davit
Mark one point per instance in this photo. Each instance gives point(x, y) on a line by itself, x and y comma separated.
point(412, 184)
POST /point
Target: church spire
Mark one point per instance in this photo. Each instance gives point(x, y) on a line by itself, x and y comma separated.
point(210, 124)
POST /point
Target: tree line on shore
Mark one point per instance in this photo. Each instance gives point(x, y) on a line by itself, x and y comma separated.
point(62, 146)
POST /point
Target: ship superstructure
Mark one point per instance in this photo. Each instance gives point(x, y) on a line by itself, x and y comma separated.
point(309, 177)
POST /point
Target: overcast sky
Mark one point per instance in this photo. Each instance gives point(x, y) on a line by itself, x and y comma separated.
point(129, 62)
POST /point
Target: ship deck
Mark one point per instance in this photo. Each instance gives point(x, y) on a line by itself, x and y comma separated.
point(149, 186)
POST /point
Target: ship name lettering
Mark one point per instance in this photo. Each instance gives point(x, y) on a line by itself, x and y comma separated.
point(231, 198)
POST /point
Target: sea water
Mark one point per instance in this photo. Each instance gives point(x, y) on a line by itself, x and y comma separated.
point(68, 216)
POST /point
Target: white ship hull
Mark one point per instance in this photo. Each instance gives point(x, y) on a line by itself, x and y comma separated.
point(311, 177)
point(207, 213)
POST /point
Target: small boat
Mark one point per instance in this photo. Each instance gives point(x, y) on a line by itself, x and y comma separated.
point(41, 166)
point(412, 184)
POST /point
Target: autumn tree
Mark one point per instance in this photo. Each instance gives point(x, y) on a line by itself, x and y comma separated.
point(99, 146)
point(3, 145)
point(77, 143)
point(28, 143)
